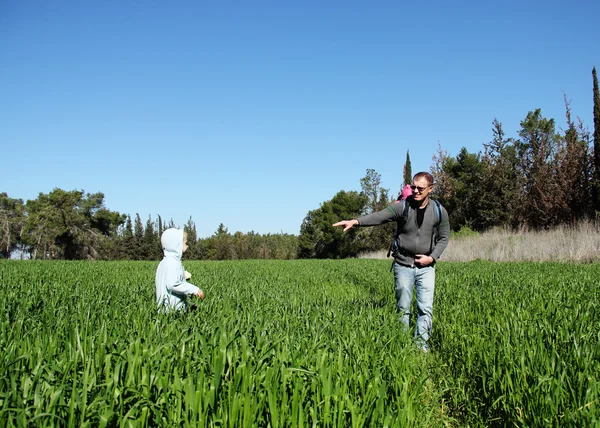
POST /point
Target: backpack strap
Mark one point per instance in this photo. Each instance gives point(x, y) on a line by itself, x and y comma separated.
point(436, 228)
point(438, 212)
point(399, 223)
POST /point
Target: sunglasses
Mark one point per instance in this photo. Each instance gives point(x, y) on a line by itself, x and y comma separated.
point(419, 189)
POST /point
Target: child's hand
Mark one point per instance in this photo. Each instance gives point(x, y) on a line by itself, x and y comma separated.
point(201, 294)
point(187, 275)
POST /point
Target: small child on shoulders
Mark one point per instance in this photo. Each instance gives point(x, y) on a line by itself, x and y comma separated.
point(406, 192)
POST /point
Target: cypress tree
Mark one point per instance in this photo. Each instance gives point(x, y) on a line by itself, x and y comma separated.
point(407, 173)
point(138, 236)
point(127, 241)
point(192, 240)
point(150, 249)
point(596, 141)
point(573, 173)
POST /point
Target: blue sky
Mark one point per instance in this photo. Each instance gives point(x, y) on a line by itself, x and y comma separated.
point(251, 114)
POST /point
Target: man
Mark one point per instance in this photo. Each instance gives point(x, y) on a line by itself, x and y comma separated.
point(422, 237)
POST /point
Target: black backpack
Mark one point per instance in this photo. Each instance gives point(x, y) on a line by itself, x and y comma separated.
point(405, 212)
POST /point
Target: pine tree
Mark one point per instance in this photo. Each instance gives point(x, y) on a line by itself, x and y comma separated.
point(68, 225)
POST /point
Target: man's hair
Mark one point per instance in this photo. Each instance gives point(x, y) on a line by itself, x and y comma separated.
point(427, 176)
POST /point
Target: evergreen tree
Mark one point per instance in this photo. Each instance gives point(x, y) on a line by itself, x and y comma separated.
point(160, 228)
point(319, 239)
point(444, 185)
point(538, 148)
point(500, 182)
point(241, 244)
point(573, 173)
point(221, 248)
point(192, 240)
point(466, 173)
point(150, 249)
point(127, 251)
point(205, 249)
point(407, 172)
point(443, 190)
point(138, 237)
point(596, 141)
point(69, 225)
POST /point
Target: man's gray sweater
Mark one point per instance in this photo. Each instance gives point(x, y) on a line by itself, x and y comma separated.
point(413, 239)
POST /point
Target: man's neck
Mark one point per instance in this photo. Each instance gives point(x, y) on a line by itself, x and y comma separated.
point(423, 203)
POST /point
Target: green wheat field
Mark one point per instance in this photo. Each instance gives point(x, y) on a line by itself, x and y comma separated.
point(296, 344)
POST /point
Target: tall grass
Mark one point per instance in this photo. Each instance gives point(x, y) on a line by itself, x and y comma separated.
point(298, 343)
point(519, 344)
point(301, 343)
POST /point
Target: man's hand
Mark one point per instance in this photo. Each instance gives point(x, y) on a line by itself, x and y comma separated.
point(200, 294)
point(423, 260)
point(187, 275)
point(348, 224)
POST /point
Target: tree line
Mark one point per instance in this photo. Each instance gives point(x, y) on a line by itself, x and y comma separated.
point(540, 179)
point(74, 225)
point(543, 178)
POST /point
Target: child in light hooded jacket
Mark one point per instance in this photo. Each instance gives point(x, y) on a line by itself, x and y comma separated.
point(172, 287)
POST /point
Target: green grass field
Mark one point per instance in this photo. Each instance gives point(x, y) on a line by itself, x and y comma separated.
point(298, 343)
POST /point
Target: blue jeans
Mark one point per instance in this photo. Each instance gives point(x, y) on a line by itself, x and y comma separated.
point(405, 279)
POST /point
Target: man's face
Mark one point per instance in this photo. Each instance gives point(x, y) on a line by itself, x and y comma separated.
point(185, 247)
point(420, 189)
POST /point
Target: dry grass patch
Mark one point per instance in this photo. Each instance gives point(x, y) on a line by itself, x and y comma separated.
point(579, 243)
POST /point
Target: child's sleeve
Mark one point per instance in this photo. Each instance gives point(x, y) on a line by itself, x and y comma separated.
point(177, 284)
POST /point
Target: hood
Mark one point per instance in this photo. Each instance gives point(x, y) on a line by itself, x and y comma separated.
point(172, 243)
